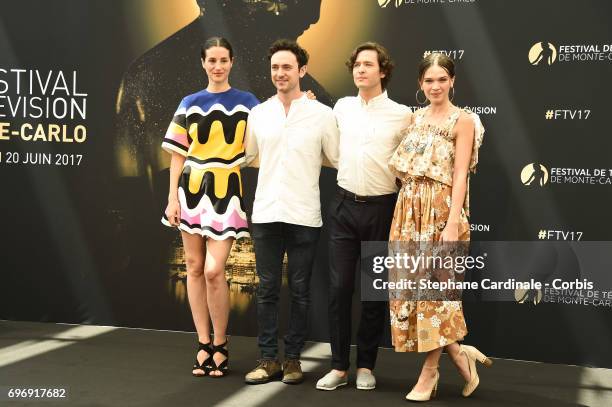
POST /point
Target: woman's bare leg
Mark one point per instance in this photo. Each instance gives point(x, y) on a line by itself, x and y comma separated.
point(217, 291)
point(459, 360)
point(428, 371)
point(195, 256)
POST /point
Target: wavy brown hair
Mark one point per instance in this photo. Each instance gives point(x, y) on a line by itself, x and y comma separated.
point(385, 63)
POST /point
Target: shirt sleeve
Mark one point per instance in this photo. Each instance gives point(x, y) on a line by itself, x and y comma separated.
point(406, 114)
point(337, 107)
point(331, 138)
point(177, 139)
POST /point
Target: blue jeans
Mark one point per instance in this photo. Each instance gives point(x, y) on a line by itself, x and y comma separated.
point(271, 241)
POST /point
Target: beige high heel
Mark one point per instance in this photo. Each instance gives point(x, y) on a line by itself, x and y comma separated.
point(472, 354)
point(425, 395)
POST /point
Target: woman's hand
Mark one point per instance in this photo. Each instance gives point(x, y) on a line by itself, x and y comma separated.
point(173, 212)
point(310, 95)
point(450, 232)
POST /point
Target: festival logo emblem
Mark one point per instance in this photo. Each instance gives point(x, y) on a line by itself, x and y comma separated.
point(524, 296)
point(542, 53)
point(385, 3)
point(534, 174)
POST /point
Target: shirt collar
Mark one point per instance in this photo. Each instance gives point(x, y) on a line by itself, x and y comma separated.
point(298, 100)
point(374, 100)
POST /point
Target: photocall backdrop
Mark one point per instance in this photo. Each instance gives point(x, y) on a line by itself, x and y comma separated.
point(88, 88)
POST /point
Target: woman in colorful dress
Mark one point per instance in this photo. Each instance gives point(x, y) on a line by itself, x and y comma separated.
point(205, 139)
point(433, 162)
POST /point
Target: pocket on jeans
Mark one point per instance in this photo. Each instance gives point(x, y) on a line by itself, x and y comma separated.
point(262, 230)
point(306, 234)
point(335, 204)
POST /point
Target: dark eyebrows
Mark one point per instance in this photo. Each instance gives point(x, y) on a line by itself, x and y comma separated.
point(429, 78)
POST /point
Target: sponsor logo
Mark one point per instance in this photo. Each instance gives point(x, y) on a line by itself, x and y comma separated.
point(526, 296)
point(479, 110)
point(542, 53)
point(545, 53)
point(534, 174)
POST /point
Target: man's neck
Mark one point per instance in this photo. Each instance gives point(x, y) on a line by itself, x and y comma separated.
point(287, 97)
point(370, 93)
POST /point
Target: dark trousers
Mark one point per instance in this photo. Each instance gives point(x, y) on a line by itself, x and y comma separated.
point(350, 223)
point(271, 241)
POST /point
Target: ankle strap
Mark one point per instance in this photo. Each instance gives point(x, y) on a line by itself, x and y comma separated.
point(430, 367)
point(207, 347)
point(220, 348)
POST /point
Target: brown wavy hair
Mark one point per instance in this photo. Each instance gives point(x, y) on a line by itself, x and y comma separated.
point(384, 60)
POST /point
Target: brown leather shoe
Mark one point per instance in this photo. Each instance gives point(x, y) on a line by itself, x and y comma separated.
point(292, 371)
point(266, 370)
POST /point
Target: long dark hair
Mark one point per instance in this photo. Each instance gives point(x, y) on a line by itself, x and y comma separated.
point(217, 42)
point(436, 58)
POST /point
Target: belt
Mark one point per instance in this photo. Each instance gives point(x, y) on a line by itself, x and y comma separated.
point(362, 198)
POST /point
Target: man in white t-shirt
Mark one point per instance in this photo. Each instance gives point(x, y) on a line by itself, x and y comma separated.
point(370, 125)
point(289, 134)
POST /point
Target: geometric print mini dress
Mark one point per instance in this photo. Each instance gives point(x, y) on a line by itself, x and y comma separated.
point(208, 130)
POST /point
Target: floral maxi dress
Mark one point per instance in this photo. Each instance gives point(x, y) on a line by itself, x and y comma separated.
point(424, 163)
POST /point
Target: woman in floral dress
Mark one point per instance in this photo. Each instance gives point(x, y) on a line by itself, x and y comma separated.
point(433, 162)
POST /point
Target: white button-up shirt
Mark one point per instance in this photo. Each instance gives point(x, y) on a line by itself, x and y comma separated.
point(290, 149)
point(369, 134)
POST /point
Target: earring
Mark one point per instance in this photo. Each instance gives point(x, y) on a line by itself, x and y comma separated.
point(453, 96)
point(417, 97)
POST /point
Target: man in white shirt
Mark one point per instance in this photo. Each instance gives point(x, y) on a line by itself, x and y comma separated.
point(370, 125)
point(289, 133)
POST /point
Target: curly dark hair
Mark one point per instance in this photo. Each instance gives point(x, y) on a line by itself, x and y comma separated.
point(288, 45)
point(384, 60)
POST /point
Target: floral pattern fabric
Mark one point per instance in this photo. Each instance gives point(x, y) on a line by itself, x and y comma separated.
point(429, 150)
point(424, 163)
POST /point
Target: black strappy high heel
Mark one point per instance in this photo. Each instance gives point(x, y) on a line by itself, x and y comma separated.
point(206, 365)
point(221, 367)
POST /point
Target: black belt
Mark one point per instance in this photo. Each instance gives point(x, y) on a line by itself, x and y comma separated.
point(361, 198)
